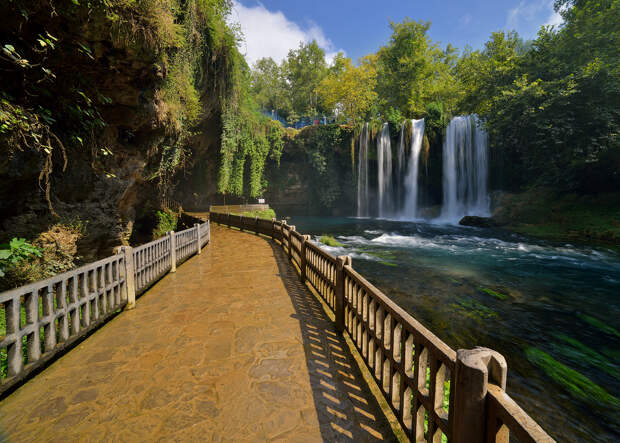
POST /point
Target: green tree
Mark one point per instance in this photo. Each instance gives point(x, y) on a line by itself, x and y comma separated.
point(348, 89)
point(551, 107)
point(484, 74)
point(413, 70)
point(304, 69)
point(269, 87)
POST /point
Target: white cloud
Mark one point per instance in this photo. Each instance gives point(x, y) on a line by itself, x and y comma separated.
point(527, 17)
point(271, 34)
point(525, 12)
point(465, 20)
point(555, 19)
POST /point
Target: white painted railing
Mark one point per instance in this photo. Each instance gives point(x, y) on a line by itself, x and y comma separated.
point(41, 320)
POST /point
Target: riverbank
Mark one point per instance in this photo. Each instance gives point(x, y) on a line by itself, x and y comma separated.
point(542, 213)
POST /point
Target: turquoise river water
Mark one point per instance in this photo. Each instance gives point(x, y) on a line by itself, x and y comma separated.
point(553, 310)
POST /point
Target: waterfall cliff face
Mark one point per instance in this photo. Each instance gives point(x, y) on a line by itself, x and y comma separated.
point(362, 174)
point(410, 209)
point(401, 185)
point(465, 169)
point(384, 173)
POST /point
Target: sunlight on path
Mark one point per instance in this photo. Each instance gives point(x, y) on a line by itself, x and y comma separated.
point(230, 348)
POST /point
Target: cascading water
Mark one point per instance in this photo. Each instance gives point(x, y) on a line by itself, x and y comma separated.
point(410, 209)
point(401, 150)
point(384, 172)
point(362, 174)
point(465, 169)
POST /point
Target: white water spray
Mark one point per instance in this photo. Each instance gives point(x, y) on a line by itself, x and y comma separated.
point(384, 172)
point(465, 169)
point(362, 174)
point(411, 181)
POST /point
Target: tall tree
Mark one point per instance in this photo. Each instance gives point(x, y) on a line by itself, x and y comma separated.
point(348, 90)
point(484, 74)
point(304, 69)
point(411, 69)
point(551, 107)
point(269, 87)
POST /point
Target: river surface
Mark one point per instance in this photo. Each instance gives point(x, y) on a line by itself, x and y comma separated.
point(553, 310)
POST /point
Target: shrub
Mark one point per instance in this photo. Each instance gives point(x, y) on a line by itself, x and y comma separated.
point(52, 252)
point(166, 221)
point(15, 252)
point(267, 214)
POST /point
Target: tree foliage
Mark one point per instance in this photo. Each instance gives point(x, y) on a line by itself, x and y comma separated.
point(291, 87)
point(551, 106)
point(349, 89)
point(413, 70)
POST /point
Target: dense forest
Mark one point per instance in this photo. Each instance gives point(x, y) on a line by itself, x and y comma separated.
point(549, 104)
point(110, 107)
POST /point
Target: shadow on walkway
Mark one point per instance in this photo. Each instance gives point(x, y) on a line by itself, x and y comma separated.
point(346, 409)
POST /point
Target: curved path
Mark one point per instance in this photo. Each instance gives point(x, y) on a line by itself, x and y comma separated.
point(230, 348)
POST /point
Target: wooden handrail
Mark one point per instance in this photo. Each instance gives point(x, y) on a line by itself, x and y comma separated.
point(411, 365)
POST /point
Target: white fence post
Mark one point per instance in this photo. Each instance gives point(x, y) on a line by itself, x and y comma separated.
point(173, 252)
point(130, 281)
point(197, 228)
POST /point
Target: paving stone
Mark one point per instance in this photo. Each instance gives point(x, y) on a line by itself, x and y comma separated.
point(229, 348)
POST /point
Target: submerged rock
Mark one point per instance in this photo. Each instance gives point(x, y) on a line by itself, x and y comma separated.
point(479, 222)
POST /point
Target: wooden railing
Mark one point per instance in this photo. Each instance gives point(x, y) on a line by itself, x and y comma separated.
point(433, 390)
point(238, 208)
point(45, 318)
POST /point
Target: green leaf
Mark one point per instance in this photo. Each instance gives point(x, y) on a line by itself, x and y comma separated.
point(17, 242)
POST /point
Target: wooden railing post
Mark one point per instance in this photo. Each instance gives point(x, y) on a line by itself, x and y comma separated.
point(302, 260)
point(343, 260)
point(130, 281)
point(273, 228)
point(290, 243)
point(197, 228)
point(173, 252)
point(475, 368)
point(282, 233)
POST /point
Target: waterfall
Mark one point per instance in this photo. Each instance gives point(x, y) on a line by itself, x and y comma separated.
point(362, 174)
point(401, 150)
point(384, 172)
point(465, 169)
point(400, 170)
point(411, 181)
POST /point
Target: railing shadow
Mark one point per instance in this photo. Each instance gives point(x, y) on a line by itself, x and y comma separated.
point(346, 409)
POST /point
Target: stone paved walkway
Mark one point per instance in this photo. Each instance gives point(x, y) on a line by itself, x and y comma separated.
point(230, 348)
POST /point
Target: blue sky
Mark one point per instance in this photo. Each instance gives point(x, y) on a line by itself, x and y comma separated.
point(358, 28)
